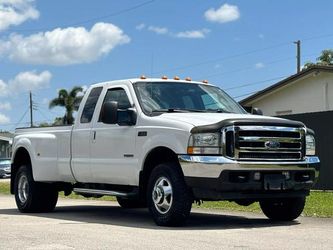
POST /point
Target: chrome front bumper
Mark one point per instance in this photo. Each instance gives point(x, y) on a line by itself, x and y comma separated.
point(213, 166)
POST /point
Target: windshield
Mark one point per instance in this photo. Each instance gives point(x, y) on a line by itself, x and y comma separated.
point(184, 97)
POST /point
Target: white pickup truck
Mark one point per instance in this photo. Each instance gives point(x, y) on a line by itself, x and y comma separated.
point(164, 144)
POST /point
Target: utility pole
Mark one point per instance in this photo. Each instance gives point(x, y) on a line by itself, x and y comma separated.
point(298, 56)
point(31, 118)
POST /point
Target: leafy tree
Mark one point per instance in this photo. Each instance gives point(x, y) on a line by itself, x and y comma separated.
point(68, 99)
point(325, 59)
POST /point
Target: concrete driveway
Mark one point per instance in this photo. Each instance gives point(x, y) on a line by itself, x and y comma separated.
point(85, 224)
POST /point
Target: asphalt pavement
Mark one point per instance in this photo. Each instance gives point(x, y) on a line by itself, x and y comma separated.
point(87, 224)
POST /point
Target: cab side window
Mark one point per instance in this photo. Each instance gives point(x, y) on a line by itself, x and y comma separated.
point(89, 107)
point(119, 95)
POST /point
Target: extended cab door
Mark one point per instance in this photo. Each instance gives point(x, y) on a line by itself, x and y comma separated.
point(82, 137)
point(113, 158)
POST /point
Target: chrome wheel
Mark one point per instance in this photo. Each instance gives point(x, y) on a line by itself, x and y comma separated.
point(23, 188)
point(162, 195)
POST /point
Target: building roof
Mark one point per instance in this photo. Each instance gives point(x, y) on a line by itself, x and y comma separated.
point(289, 80)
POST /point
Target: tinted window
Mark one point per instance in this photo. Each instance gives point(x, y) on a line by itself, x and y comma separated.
point(89, 107)
point(165, 96)
point(120, 96)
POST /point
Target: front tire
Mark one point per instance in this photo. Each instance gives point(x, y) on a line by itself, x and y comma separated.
point(283, 209)
point(31, 196)
point(169, 198)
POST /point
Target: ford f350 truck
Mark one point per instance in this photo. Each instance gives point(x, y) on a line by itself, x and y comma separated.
point(164, 144)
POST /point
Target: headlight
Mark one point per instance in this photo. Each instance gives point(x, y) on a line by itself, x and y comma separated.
point(204, 143)
point(310, 145)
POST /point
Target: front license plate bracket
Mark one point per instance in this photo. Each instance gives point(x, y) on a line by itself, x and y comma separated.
point(275, 182)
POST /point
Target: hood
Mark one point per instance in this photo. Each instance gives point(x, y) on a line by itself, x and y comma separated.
point(202, 119)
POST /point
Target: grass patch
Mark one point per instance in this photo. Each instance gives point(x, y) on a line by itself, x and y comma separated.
point(4, 188)
point(318, 204)
point(75, 196)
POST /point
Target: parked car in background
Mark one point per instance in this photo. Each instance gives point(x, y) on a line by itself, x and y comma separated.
point(5, 168)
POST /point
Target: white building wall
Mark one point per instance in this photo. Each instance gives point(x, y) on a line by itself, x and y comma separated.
point(312, 93)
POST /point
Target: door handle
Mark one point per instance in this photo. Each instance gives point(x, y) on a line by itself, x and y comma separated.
point(94, 136)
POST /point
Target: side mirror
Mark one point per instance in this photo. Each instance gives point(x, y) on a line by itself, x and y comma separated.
point(126, 117)
point(256, 111)
point(109, 113)
point(132, 116)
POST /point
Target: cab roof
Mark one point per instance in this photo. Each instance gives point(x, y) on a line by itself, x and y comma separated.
point(150, 80)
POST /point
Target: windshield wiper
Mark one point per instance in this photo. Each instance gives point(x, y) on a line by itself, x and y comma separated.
point(218, 110)
point(175, 110)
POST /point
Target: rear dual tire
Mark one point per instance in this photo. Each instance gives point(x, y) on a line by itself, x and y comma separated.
point(31, 196)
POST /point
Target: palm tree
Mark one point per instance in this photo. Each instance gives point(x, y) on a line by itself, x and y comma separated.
point(325, 59)
point(70, 100)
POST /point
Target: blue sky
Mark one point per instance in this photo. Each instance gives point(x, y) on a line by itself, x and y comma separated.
point(47, 45)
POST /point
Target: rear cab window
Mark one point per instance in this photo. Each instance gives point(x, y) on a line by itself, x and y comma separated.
point(89, 106)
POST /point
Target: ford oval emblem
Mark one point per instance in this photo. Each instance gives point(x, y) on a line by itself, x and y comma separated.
point(272, 144)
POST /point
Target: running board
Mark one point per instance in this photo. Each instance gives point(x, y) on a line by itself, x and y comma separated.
point(103, 192)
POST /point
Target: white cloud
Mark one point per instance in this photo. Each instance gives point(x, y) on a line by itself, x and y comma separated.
point(5, 106)
point(64, 46)
point(25, 81)
point(158, 30)
point(193, 33)
point(3, 88)
point(15, 12)
point(141, 26)
point(4, 119)
point(226, 13)
point(259, 65)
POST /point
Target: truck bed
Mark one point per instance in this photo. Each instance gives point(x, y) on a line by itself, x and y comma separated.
point(51, 156)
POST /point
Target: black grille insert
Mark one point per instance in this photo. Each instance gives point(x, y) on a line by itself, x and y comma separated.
point(271, 133)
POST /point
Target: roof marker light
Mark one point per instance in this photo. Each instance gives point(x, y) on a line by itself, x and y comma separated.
point(143, 77)
point(188, 79)
point(176, 78)
point(164, 77)
point(205, 81)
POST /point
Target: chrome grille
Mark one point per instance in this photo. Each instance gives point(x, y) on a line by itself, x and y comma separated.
point(264, 143)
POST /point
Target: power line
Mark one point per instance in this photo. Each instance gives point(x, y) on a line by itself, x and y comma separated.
point(240, 54)
point(40, 112)
point(257, 82)
point(117, 13)
point(316, 37)
point(223, 58)
point(251, 67)
point(15, 124)
point(235, 97)
point(245, 68)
